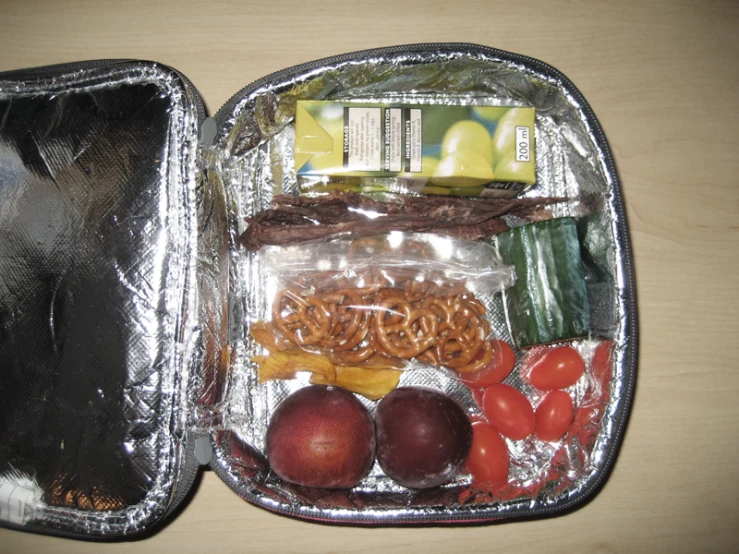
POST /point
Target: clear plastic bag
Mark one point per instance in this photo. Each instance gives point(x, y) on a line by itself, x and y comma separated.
point(344, 305)
point(392, 259)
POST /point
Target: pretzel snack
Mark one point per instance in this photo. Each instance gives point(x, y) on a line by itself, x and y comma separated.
point(351, 325)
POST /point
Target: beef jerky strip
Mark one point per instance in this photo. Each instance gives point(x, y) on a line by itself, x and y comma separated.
point(294, 219)
point(443, 208)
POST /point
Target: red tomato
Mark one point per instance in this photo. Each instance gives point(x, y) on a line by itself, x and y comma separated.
point(488, 459)
point(508, 411)
point(554, 416)
point(559, 368)
point(498, 369)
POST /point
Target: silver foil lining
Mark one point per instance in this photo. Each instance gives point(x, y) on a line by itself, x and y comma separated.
point(98, 238)
point(253, 158)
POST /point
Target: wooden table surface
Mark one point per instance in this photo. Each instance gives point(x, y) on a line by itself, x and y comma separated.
point(662, 76)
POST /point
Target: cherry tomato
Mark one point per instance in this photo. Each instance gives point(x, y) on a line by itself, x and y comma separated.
point(508, 411)
point(559, 368)
point(498, 369)
point(488, 459)
point(554, 416)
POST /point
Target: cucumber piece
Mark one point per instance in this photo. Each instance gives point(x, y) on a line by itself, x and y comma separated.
point(549, 302)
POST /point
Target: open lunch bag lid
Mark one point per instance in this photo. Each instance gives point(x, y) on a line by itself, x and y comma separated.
point(145, 330)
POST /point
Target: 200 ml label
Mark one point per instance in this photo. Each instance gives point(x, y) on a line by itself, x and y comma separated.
point(523, 144)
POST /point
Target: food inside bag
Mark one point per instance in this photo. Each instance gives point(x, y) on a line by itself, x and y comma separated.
point(549, 302)
point(367, 312)
point(354, 310)
point(349, 282)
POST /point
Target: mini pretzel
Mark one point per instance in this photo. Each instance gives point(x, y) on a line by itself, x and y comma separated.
point(442, 310)
point(356, 355)
point(429, 357)
point(468, 324)
point(480, 361)
point(473, 304)
point(347, 316)
point(454, 350)
point(399, 339)
point(303, 320)
point(377, 320)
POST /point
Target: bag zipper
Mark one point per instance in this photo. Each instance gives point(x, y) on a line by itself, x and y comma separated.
point(623, 239)
point(48, 71)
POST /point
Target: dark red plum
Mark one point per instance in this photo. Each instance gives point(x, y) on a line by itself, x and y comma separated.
point(423, 437)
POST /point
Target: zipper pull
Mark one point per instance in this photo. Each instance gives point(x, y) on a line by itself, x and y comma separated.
point(208, 131)
point(203, 450)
